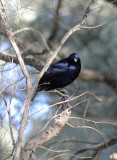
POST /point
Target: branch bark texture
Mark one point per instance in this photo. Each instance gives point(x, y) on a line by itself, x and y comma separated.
point(44, 136)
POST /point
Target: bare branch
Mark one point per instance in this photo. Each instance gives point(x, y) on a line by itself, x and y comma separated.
point(10, 127)
point(114, 2)
point(44, 136)
point(26, 74)
point(30, 48)
point(28, 61)
point(38, 32)
point(15, 47)
point(72, 141)
point(97, 148)
point(9, 156)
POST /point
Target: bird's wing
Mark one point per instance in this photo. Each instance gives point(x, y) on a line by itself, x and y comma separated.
point(54, 71)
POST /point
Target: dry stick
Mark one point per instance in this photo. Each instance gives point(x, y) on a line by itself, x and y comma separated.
point(44, 136)
point(96, 148)
point(9, 156)
point(30, 49)
point(28, 61)
point(114, 2)
point(36, 31)
point(29, 85)
point(10, 126)
point(15, 47)
point(10, 122)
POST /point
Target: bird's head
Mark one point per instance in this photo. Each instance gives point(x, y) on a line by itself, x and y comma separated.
point(74, 58)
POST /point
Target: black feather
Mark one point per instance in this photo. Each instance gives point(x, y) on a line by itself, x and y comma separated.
point(60, 74)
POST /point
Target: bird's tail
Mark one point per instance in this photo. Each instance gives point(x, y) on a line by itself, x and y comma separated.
point(39, 88)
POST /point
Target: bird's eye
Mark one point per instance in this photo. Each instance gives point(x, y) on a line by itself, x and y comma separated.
point(75, 60)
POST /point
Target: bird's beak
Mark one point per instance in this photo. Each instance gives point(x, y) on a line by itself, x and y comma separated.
point(75, 60)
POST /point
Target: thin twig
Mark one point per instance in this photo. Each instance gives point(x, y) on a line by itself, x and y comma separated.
point(9, 156)
point(97, 148)
point(38, 32)
point(10, 126)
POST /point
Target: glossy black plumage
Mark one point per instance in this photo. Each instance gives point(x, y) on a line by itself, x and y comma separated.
point(60, 74)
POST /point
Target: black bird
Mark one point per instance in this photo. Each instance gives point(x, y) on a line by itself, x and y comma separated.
point(60, 74)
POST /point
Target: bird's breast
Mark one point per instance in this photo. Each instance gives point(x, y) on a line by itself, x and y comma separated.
point(73, 72)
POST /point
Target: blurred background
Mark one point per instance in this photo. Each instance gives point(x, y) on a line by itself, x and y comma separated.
point(38, 26)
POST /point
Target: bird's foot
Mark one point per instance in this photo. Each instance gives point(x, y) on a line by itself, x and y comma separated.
point(61, 92)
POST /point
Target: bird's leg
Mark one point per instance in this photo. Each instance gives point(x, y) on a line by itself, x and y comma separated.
point(64, 91)
point(63, 96)
point(61, 92)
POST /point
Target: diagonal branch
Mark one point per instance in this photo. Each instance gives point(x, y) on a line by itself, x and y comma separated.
point(44, 136)
point(28, 61)
point(15, 47)
point(114, 2)
point(99, 147)
point(26, 74)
